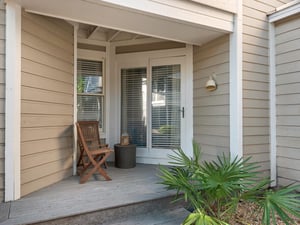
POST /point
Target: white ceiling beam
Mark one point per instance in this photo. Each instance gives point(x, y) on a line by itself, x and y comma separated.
point(92, 42)
point(113, 36)
point(92, 32)
point(135, 37)
point(137, 42)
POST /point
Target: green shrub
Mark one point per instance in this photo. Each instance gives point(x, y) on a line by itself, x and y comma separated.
point(214, 189)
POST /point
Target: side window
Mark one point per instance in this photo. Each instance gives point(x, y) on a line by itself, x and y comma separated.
point(90, 91)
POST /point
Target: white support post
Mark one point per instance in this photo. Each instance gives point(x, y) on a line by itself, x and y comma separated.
point(13, 101)
point(113, 96)
point(107, 66)
point(236, 86)
point(188, 142)
point(75, 26)
point(273, 143)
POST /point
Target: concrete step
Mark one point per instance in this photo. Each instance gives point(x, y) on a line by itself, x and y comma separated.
point(173, 216)
point(152, 212)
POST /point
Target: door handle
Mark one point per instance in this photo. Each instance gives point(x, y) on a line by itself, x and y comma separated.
point(182, 112)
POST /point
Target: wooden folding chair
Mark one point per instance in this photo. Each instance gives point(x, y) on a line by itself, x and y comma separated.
point(92, 154)
point(90, 131)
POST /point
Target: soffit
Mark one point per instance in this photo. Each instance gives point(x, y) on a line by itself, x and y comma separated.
point(115, 18)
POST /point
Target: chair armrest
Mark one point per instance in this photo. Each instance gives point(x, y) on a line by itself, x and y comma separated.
point(103, 146)
point(102, 151)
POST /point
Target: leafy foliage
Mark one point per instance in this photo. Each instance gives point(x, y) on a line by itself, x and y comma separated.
point(215, 188)
point(282, 202)
point(199, 218)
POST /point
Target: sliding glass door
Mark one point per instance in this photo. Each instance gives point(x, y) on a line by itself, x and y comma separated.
point(134, 105)
point(152, 109)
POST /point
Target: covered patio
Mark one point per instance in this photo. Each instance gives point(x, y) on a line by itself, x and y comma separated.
point(44, 152)
point(95, 202)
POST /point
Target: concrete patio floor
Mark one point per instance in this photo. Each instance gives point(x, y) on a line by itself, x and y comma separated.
point(69, 198)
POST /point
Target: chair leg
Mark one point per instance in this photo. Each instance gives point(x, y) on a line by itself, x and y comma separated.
point(97, 166)
point(104, 164)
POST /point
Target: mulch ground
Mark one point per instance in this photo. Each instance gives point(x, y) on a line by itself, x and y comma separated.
point(248, 214)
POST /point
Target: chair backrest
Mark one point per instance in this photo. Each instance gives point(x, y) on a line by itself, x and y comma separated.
point(91, 158)
point(90, 133)
point(81, 141)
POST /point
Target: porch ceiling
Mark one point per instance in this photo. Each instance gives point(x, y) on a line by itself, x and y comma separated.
point(120, 18)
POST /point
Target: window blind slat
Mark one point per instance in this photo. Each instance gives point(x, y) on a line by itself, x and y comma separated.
point(90, 104)
point(88, 67)
point(134, 105)
point(89, 76)
point(165, 106)
point(166, 114)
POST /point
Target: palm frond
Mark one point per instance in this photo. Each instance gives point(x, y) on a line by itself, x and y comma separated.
point(283, 202)
point(199, 218)
point(215, 188)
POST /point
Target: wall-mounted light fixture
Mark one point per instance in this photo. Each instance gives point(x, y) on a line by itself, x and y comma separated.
point(211, 84)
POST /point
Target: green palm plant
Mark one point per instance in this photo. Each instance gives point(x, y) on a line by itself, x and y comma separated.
point(214, 189)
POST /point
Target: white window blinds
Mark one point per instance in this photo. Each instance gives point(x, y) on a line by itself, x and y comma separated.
point(134, 105)
point(166, 107)
point(90, 96)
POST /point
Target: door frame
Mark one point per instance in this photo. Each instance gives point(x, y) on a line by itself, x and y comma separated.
point(144, 59)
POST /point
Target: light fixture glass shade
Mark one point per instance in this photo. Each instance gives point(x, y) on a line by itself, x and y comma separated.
point(211, 84)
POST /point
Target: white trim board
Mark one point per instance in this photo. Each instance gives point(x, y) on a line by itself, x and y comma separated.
point(146, 59)
point(284, 12)
point(272, 105)
point(13, 102)
point(75, 27)
point(236, 86)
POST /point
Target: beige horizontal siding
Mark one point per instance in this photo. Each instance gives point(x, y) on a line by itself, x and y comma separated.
point(46, 168)
point(46, 101)
point(44, 158)
point(45, 120)
point(256, 80)
point(46, 180)
point(35, 81)
point(39, 133)
point(57, 35)
point(211, 109)
point(37, 42)
point(30, 107)
point(39, 146)
point(288, 99)
point(2, 97)
point(45, 71)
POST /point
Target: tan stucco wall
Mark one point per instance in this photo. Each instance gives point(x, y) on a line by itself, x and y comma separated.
point(211, 109)
point(287, 42)
point(46, 101)
point(2, 96)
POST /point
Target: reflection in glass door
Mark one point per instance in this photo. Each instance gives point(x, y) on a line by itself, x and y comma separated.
point(134, 105)
point(166, 106)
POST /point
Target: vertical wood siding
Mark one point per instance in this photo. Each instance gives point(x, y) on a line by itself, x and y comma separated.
point(288, 99)
point(2, 96)
point(46, 101)
point(256, 80)
point(211, 109)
